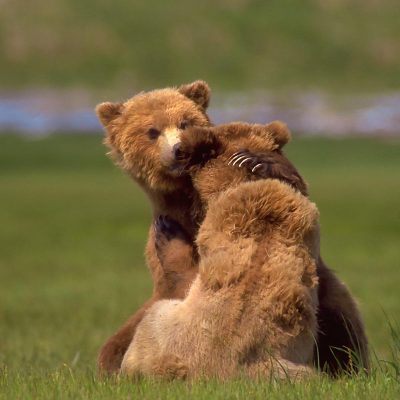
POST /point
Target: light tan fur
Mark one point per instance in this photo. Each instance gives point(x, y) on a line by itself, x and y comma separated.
point(341, 344)
point(252, 308)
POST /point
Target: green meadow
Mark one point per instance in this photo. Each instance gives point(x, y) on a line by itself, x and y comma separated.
point(337, 45)
point(72, 234)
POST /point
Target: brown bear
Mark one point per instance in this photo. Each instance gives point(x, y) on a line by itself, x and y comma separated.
point(341, 343)
point(143, 135)
point(252, 308)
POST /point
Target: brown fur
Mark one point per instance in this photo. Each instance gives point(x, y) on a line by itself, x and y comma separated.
point(252, 308)
point(210, 148)
point(342, 345)
point(174, 196)
point(148, 161)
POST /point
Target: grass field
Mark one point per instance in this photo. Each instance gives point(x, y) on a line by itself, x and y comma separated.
point(233, 44)
point(72, 233)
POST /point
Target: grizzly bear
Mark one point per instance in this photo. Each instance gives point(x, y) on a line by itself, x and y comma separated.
point(341, 343)
point(143, 135)
point(252, 308)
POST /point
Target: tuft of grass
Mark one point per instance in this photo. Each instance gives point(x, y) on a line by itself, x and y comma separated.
point(67, 383)
point(72, 235)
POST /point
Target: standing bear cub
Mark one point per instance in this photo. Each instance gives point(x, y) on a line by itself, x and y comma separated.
point(252, 308)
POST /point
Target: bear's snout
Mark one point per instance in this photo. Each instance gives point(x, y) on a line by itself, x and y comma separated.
point(177, 152)
point(169, 143)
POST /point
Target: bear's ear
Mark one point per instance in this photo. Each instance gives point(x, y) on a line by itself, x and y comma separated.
point(279, 132)
point(197, 91)
point(107, 112)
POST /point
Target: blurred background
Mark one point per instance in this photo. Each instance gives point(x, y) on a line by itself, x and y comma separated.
point(73, 227)
point(328, 66)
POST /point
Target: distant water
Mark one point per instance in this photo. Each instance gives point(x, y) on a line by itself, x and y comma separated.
point(42, 113)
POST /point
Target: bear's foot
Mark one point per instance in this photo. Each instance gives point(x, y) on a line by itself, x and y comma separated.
point(271, 165)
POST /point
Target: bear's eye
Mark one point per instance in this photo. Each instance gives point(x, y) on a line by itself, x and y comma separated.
point(153, 133)
point(184, 124)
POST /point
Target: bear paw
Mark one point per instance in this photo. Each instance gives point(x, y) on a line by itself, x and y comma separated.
point(257, 164)
point(268, 165)
point(167, 229)
point(197, 147)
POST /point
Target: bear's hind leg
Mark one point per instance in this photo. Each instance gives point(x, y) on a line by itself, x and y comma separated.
point(178, 267)
point(278, 369)
point(342, 345)
point(165, 366)
point(113, 350)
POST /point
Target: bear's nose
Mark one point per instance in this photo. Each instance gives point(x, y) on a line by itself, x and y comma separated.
point(176, 151)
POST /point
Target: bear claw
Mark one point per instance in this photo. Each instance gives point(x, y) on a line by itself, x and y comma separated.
point(256, 164)
point(268, 165)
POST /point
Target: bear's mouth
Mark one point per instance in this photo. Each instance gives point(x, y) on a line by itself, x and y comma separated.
point(181, 162)
point(177, 169)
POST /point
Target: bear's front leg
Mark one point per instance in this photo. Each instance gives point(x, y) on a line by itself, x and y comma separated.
point(177, 256)
point(198, 146)
point(269, 164)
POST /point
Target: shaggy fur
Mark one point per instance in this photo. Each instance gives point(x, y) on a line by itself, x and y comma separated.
point(341, 341)
point(141, 133)
point(252, 308)
point(148, 160)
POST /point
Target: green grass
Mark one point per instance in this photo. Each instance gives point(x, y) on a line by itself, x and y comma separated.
point(72, 233)
point(234, 44)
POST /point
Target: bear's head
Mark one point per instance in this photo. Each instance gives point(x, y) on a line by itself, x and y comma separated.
point(144, 132)
point(208, 154)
